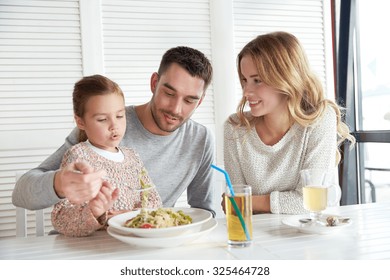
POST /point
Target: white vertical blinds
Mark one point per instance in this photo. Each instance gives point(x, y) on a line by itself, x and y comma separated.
point(40, 58)
point(137, 33)
point(41, 47)
point(303, 18)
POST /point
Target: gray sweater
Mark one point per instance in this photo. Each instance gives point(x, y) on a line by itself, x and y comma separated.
point(175, 163)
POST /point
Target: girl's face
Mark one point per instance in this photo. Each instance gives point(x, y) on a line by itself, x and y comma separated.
point(262, 99)
point(104, 121)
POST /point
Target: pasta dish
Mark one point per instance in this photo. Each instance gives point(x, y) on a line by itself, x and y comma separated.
point(160, 218)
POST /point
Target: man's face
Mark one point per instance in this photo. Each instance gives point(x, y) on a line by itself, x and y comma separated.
point(176, 95)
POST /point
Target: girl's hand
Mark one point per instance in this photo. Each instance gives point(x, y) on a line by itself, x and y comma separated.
point(103, 200)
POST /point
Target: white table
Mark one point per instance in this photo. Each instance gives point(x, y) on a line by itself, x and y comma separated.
point(368, 237)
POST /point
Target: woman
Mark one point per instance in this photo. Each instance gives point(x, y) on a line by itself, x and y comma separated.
point(291, 126)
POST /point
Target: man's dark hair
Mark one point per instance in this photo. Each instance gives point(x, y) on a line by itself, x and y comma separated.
point(194, 61)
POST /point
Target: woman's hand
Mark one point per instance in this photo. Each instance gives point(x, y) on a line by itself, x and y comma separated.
point(261, 204)
point(223, 203)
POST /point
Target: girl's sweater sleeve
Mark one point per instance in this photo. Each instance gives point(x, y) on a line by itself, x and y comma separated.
point(75, 220)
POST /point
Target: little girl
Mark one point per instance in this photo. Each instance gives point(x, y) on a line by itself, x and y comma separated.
point(99, 111)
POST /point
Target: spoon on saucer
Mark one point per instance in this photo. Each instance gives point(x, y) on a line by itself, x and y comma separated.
point(338, 221)
point(305, 220)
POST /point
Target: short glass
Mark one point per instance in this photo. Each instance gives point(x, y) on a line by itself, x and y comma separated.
point(319, 191)
point(239, 225)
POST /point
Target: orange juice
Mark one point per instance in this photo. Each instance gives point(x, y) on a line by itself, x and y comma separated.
point(315, 198)
point(236, 233)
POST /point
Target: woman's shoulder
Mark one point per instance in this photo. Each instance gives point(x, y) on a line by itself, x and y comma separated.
point(233, 116)
point(234, 119)
point(330, 112)
point(231, 123)
point(325, 123)
point(328, 117)
point(235, 128)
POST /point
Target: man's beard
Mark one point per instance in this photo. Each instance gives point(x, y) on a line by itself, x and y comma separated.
point(159, 122)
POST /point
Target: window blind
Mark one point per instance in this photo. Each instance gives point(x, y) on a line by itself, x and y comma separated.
point(136, 35)
point(40, 58)
point(303, 18)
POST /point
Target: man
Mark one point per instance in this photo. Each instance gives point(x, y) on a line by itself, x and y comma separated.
point(176, 151)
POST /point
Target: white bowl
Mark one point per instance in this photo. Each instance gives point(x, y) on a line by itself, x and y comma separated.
point(164, 242)
point(199, 216)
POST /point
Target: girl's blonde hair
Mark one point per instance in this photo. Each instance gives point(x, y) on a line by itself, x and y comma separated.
point(283, 65)
point(88, 87)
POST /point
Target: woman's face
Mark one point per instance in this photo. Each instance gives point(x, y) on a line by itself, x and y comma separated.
point(262, 99)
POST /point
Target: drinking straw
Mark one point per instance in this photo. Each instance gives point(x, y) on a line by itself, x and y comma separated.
point(229, 183)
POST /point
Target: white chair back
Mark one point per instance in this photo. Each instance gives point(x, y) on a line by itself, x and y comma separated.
point(21, 218)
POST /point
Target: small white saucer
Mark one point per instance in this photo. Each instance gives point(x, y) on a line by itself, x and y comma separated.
point(319, 228)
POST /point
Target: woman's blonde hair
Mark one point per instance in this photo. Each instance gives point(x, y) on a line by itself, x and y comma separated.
point(283, 65)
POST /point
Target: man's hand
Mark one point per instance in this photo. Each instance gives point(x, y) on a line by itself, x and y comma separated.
point(78, 182)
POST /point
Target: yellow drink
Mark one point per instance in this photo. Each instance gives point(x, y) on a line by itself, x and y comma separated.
point(236, 233)
point(315, 198)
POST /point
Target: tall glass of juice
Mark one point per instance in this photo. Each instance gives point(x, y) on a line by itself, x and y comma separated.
point(239, 215)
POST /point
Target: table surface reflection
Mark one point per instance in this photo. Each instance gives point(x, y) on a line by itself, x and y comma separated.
point(368, 237)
